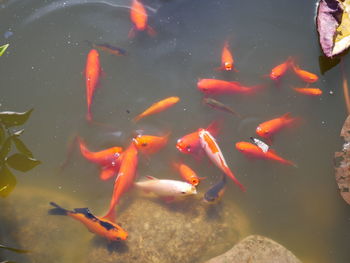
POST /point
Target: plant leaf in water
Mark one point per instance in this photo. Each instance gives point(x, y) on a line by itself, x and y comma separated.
point(22, 162)
point(327, 63)
point(7, 181)
point(10, 118)
point(5, 149)
point(3, 49)
point(333, 26)
point(14, 249)
point(21, 147)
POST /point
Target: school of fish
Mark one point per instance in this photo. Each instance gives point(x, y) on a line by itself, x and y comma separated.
point(121, 161)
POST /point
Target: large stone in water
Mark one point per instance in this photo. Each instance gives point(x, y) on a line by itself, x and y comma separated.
point(256, 249)
point(186, 231)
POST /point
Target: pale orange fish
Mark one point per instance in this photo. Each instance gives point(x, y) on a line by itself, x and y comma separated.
point(139, 17)
point(148, 144)
point(309, 91)
point(187, 173)
point(304, 75)
point(227, 61)
point(158, 107)
point(278, 71)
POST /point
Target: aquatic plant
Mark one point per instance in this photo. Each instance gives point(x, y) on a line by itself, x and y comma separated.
point(20, 160)
point(3, 49)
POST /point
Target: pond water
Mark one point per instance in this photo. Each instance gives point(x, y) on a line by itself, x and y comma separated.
point(43, 69)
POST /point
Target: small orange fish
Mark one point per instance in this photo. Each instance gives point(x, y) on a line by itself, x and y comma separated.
point(138, 16)
point(214, 153)
point(158, 107)
point(104, 158)
point(216, 86)
point(309, 91)
point(124, 180)
point(96, 225)
point(187, 173)
point(269, 128)
point(190, 144)
point(252, 150)
point(148, 144)
point(227, 62)
point(92, 77)
point(304, 75)
point(278, 71)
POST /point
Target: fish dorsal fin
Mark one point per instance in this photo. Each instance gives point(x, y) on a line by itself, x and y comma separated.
point(286, 116)
point(85, 211)
point(106, 225)
point(151, 177)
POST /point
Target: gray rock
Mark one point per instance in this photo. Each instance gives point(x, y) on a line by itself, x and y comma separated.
point(187, 231)
point(256, 249)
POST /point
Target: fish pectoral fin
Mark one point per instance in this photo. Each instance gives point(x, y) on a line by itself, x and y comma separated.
point(151, 177)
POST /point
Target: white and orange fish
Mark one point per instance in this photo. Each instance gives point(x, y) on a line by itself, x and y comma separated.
point(214, 153)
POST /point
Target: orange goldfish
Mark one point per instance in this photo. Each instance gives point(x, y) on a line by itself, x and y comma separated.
point(190, 144)
point(227, 62)
point(304, 75)
point(269, 128)
point(107, 172)
point(280, 69)
point(138, 16)
point(104, 158)
point(158, 107)
point(148, 144)
point(99, 226)
point(214, 153)
point(187, 173)
point(125, 178)
point(309, 91)
point(255, 151)
point(216, 86)
point(92, 76)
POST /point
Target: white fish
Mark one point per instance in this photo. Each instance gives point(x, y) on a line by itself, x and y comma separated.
point(263, 146)
point(166, 188)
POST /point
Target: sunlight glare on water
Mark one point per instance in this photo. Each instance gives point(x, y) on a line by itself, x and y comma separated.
point(43, 68)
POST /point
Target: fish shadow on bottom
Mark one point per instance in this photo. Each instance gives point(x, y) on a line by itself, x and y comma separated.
point(117, 246)
point(214, 211)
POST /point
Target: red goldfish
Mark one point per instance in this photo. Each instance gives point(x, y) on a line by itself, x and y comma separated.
point(280, 69)
point(92, 76)
point(125, 178)
point(138, 16)
point(148, 144)
point(269, 128)
point(99, 226)
point(255, 151)
point(309, 91)
point(227, 62)
point(104, 157)
point(304, 75)
point(190, 143)
point(216, 86)
point(187, 173)
point(158, 107)
point(214, 153)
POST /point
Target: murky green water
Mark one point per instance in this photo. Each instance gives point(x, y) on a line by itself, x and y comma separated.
point(298, 207)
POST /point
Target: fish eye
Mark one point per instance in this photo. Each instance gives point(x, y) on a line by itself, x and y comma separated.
point(144, 144)
point(188, 147)
point(118, 239)
point(183, 192)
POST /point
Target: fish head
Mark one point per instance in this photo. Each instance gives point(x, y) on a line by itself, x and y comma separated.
point(202, 86)
point(188, 143)
point(140, 141)
point(188, 189)
point(210, 197)
point(194, 181)
point(119, 234)
point(262, 132)
point(228, 66)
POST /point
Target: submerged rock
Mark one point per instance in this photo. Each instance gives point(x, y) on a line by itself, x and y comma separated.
point(188, 231)
point(25, 224)
point(256, 249)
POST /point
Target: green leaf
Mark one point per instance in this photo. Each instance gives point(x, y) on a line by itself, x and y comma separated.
point(5, 149)
point(3, 49)
point(14, 249)
point(22, 162)
point(10, 118)
point(21, 147)
point(7, 181)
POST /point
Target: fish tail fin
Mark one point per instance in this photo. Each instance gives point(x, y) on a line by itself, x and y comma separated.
point(151, 32)
point(108, 173)
point(234, 179)
point(291, 61)
point(89, 116)
point(110, 215)
point(215, 126)
point(132, 33)
point(57, 210)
